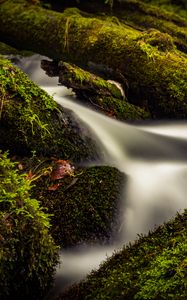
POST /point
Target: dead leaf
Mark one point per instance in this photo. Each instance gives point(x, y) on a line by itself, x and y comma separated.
point(62, 168)
point(29, 175)
point(54, 187)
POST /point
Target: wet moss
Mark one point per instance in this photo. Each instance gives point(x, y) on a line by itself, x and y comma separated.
point(156, 78)
point(163, 41)
point(28, 254)
point(175, 6)
point(120, 109)
point(105, 96)
point(9, 51)
point(142, 18)
point(153, 267)
point(83, 205)
point(32, 121)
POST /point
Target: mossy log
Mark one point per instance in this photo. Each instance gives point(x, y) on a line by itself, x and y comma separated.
point(28, 254)
point(144, 16)
point(153, 267)
point(30, 120)
point(83, 202)
point(178, 6)
point(105, 96)
point(8, 50)
point(155, 70)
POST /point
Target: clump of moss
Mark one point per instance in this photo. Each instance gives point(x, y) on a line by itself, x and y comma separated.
point(162, 41)
point(84, 205)
point(176, 6)
point(31, 120)
point(153, 267)
point(28, 254)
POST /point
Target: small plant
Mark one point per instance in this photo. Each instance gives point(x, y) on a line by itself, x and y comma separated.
point(28, 255)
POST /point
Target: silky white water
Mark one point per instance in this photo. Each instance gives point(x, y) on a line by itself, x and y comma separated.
point(155, 158)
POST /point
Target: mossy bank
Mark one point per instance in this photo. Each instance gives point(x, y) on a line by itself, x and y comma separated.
point(153, 267)
point(28, 254)
point(32, 121)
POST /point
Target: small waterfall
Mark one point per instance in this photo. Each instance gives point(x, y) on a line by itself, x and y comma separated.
point(153, 155)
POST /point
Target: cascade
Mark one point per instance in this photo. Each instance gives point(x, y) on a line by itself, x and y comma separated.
point(153, 155)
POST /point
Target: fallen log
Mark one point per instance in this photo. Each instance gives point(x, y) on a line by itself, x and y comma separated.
point(139, 14)
point(106, 96)
point(144, 16)
point(155, 70)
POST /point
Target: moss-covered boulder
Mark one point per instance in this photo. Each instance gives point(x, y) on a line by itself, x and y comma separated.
point(30, 120)
point(84, 202)
point(28, 254)
point(153, 267)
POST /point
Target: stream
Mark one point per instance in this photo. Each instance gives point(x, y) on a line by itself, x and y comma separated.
point(153, 155)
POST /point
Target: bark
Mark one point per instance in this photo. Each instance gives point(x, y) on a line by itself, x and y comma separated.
point(105, 96)
point(155, 70)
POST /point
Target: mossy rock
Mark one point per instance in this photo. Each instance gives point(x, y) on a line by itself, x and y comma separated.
point(32, 121)
point(28, 254)
point(84, 205)
point(153, 267)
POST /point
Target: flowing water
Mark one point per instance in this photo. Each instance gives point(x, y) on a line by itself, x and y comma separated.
point(154, 156)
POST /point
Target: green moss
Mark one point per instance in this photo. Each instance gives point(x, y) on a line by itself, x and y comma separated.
point(120, 109)
point(174, 6)
point(8, 50)
point(153, 267)
point(31, 120)
point(166, 276)
point(95, 84)
point(84, 206)
point(156, 78)
point(28, 255)
point(145, 16)
point(162, 41)
point(100, 94)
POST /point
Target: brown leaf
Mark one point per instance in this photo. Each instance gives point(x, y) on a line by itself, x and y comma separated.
point(54, 187)
point(29, 175)
point(61, 169)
